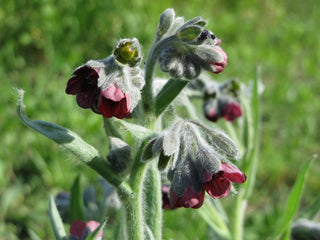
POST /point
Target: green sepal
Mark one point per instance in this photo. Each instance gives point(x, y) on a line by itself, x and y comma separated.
point(165, 22)
point(147, 153)
point(199, 21)
point(56, 221)
point(189, 33)
point(76, 201)
point(168, 93)
point(163, 161)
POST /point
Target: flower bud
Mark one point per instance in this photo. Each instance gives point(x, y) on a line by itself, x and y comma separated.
point(128, 51)
point(119, 155)
point(165, 22)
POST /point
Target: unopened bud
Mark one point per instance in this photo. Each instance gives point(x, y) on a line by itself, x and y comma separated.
point(165, 22)
point(128, 51)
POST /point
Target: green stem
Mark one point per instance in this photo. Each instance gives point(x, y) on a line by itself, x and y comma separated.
point(238, 219)
point(153, 199)
point(147, 92)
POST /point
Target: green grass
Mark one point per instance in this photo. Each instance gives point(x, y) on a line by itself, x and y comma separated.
point(43, 41)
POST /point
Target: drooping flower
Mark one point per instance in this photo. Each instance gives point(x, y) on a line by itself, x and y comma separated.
point(187, 47)
point(220, 183)
point(84, 84)
point(189, 199)
point(113, 102)
point(196, 154)
point(217, 185)
point(222, 101)
point(231, 111)
point(110, 86)
point(79, 230)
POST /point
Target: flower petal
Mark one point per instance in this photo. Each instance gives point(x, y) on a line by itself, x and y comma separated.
point(232, 173)
point(90, 227)
point(110, 108)
point(219, 66)
point(113, 93)
point(74, 85)
point(231, 111)
point(219, 187)
point(88, 98)
point(77, 228)
point(190, 199)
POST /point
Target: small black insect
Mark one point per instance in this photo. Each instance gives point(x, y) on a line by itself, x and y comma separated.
point(205, 34)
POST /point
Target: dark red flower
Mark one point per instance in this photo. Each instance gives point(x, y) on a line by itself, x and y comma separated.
point(219, 185)
point(80, 230)
point(231, 111)
point(189, 199)
point(114, 103)
point(84, 84)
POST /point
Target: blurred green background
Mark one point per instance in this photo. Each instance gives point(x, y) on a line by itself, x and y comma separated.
point(42, 41)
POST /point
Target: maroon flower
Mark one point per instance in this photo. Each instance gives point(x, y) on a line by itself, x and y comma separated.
point(219, 185)
point(84, 84)
point(231, 111)
point(189, 199)
point(113, 102)
point(79, 230)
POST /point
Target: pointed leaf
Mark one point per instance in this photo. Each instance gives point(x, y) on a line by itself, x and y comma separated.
point(76, 201)
point(95, 233)
point(293, 201)
point(168, 93)
point(56, 221)
point(70, 141)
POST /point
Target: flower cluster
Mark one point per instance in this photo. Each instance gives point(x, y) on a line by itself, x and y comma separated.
point(222, 101)
point(217, 185)
point(198, 163)
point(111, 86)
point(187, 47)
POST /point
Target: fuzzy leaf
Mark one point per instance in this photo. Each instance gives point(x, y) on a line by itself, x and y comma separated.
point(76, 202)
point(56, 221)
point(137, 131)
point(70, 141)
point(168, 93)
